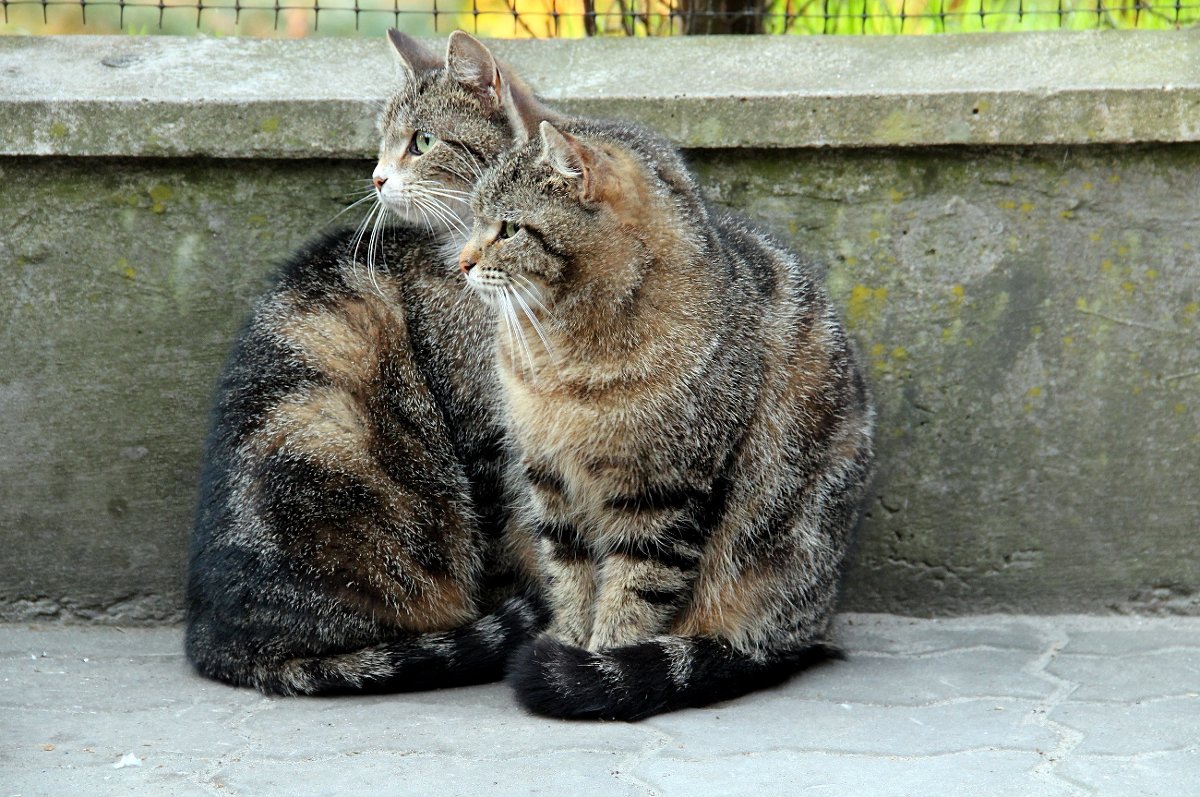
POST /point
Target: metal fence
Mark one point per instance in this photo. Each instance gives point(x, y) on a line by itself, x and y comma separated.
point(574, 18)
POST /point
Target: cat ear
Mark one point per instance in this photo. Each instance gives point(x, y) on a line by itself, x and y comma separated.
point(573, 159)
point(414, 58)
point(523, 111)
point(470, 63)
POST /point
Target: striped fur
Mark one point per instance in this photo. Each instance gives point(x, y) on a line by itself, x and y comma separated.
point(350, 532)
point(635, 681)
point(695, 435)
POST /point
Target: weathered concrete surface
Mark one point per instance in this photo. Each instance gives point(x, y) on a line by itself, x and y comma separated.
point(128, 280)
point(1028, 318)
point(1031, 323)
point(169, 96)
point(1039, 707)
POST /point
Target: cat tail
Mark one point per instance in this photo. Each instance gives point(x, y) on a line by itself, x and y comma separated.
point(632, 682)
point(474, 653)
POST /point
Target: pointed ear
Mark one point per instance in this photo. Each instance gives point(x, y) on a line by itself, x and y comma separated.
point(470, 63)
point(573, 159)
point(523, 111)
point(414, 58)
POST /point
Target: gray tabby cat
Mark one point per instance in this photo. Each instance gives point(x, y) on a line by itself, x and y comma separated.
point(349, 534)
point(694, 434)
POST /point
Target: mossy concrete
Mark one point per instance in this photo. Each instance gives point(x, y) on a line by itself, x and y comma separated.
point(1030, 322)
point(125, 282)
point(170, 96)
point(1029, 318)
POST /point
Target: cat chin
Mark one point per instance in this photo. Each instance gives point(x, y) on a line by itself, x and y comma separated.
point(489, 294)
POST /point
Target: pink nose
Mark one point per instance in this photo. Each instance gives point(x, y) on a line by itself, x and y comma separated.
point(379, 181)
point(466, 264)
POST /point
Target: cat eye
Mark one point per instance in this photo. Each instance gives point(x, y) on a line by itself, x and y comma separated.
point(509, 229)
point(422, 142)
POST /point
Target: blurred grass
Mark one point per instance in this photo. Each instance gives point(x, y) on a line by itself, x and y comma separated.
point(545, 18)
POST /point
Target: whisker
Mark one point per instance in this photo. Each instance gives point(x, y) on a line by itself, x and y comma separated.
point(438, 189)
point(466, 178)
point(512, 313)
point(358, 236)
point(372, 250)
point(428, 188)
point(442, 195)
point(537, 326)
point(444, 213)
point(532, 293)
point(508, 329)
point(470, 163)
point(436, 197)
point(352, 205)
point(428, 210)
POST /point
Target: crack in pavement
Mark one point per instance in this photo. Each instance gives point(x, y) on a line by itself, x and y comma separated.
point(1068, 738)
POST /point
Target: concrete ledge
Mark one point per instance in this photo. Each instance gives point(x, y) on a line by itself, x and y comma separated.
point(117, 96)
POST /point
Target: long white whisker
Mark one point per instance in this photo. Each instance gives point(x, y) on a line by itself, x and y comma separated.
point(444, 198)
point(353, 205)
point(435, 205)
point(436, 186)
point(519, 330)
point(424, 216)
point(466, 178)
point(437, 189)
point(443, 212)
point(372, 250)
point(532, 293)
point(433, 210)
point(362, 228)
point(470, 163)
point(508, 331)
point(358, 236)
point(537, 326)
point(433, 199)
point(428, 188)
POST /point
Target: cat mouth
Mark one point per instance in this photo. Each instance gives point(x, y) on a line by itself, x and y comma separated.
point(490, 285)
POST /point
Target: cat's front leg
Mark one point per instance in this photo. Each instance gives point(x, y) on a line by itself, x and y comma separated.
point(652, 547)
point(566, 566)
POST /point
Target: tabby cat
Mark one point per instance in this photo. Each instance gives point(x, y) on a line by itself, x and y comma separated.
point(349, 529)
point(694, 434)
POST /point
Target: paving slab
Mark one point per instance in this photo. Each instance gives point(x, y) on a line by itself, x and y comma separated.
point(993, 705)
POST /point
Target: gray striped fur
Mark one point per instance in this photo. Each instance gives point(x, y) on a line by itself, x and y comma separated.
point(350, 528)
point(695, 434)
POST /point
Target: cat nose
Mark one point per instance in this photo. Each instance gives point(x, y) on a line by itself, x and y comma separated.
point(379, 181)
point(470, 255)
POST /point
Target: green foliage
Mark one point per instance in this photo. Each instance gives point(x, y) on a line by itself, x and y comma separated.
point(576, 18)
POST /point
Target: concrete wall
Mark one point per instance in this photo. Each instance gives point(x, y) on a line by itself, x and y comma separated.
point(1011, 225)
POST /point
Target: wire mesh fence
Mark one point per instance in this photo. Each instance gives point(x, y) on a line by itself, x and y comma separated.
point(576, 18)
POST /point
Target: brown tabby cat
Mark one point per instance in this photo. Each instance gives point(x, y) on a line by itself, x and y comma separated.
point(694, 434)
point(349, 529)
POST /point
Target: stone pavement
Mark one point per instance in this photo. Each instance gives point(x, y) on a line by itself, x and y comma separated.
point(993, 705)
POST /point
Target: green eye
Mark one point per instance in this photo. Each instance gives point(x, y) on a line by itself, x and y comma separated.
point(422, 142)
point(509, 229)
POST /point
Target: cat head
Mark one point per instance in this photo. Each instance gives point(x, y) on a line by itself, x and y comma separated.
point(441, 129)
point(577, 219)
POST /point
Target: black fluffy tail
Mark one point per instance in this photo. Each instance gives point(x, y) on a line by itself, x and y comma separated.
point(633, 682)
point(471, 654)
